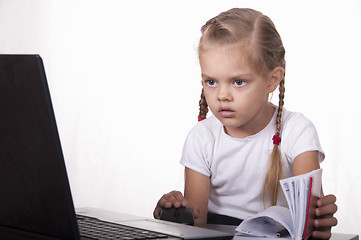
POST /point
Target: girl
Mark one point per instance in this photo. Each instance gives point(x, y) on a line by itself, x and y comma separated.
point(234, 159)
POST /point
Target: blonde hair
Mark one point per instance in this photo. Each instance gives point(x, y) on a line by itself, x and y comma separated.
point(258, 36)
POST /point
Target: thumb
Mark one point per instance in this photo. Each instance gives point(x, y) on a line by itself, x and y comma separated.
point(196, 212)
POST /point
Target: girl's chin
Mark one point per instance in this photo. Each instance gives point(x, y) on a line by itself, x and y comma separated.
point(230, 123)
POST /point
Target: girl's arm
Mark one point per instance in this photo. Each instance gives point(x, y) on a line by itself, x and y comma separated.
point(326, 206)
point(196, 191)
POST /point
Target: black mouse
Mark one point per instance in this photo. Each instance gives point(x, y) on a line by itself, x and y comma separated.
point(178, 215)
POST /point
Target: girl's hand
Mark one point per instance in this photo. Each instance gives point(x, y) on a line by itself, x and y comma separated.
point(325, 220)
point(173, 199)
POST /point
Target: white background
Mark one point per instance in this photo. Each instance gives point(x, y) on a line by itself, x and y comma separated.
point(125, 84)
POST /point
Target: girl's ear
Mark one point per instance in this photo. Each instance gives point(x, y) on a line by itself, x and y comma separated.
point(274, 78)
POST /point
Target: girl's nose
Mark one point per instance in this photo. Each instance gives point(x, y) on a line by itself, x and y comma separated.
point(224, 94)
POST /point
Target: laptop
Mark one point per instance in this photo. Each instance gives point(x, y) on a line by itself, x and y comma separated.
point(35, 196)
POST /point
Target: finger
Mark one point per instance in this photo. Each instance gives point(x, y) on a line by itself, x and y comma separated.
point(329, 209)
point(173, 198)
point(176, 199)
point(325, 222)
point(156, 213)
point(326, 200)
point(322, 233)
point(179, 198)
point(195, 211)
point(164, 202)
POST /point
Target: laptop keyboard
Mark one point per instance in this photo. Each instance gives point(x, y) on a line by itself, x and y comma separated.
point(92, 228)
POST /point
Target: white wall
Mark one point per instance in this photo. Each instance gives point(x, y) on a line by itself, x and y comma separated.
point(125, 83)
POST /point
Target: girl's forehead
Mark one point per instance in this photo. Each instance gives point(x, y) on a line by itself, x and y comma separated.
point(225, 55)
point(236, 55)
point(232, 52)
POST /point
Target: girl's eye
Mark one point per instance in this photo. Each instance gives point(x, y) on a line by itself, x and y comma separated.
point(210, 83)
point(239, 83)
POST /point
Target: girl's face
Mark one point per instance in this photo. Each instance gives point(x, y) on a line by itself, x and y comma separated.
point(236, 94)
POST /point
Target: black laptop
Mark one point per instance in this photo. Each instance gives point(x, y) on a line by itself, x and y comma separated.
point(35, 197)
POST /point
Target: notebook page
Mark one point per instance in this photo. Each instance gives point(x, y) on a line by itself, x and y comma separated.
point(267, 223)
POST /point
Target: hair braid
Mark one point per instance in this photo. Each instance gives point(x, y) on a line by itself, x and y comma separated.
point(275, 168)
point(203, 106)
point(281, 102)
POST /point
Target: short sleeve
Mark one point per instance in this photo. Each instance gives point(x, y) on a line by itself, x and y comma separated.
point(197, 150)
point(299, 136)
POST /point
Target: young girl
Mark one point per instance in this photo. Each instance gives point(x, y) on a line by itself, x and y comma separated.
point(234, 159)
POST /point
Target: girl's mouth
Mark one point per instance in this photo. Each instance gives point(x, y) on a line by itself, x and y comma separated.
point(226, 112)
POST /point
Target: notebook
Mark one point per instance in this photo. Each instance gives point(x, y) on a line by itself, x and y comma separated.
point(35, 197)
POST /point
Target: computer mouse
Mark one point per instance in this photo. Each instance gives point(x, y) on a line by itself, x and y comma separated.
point(178, 215)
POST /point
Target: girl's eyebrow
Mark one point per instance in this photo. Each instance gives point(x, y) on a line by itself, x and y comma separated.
point(205, 76)
point(236, 76)
point(244, 75)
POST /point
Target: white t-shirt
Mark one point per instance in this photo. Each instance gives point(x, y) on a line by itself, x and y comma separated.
point(237, 167)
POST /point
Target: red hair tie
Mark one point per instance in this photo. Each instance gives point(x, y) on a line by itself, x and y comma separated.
point(276, 139)
point(200, 118)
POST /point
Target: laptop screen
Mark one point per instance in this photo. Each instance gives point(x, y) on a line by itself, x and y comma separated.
point(35, 195)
